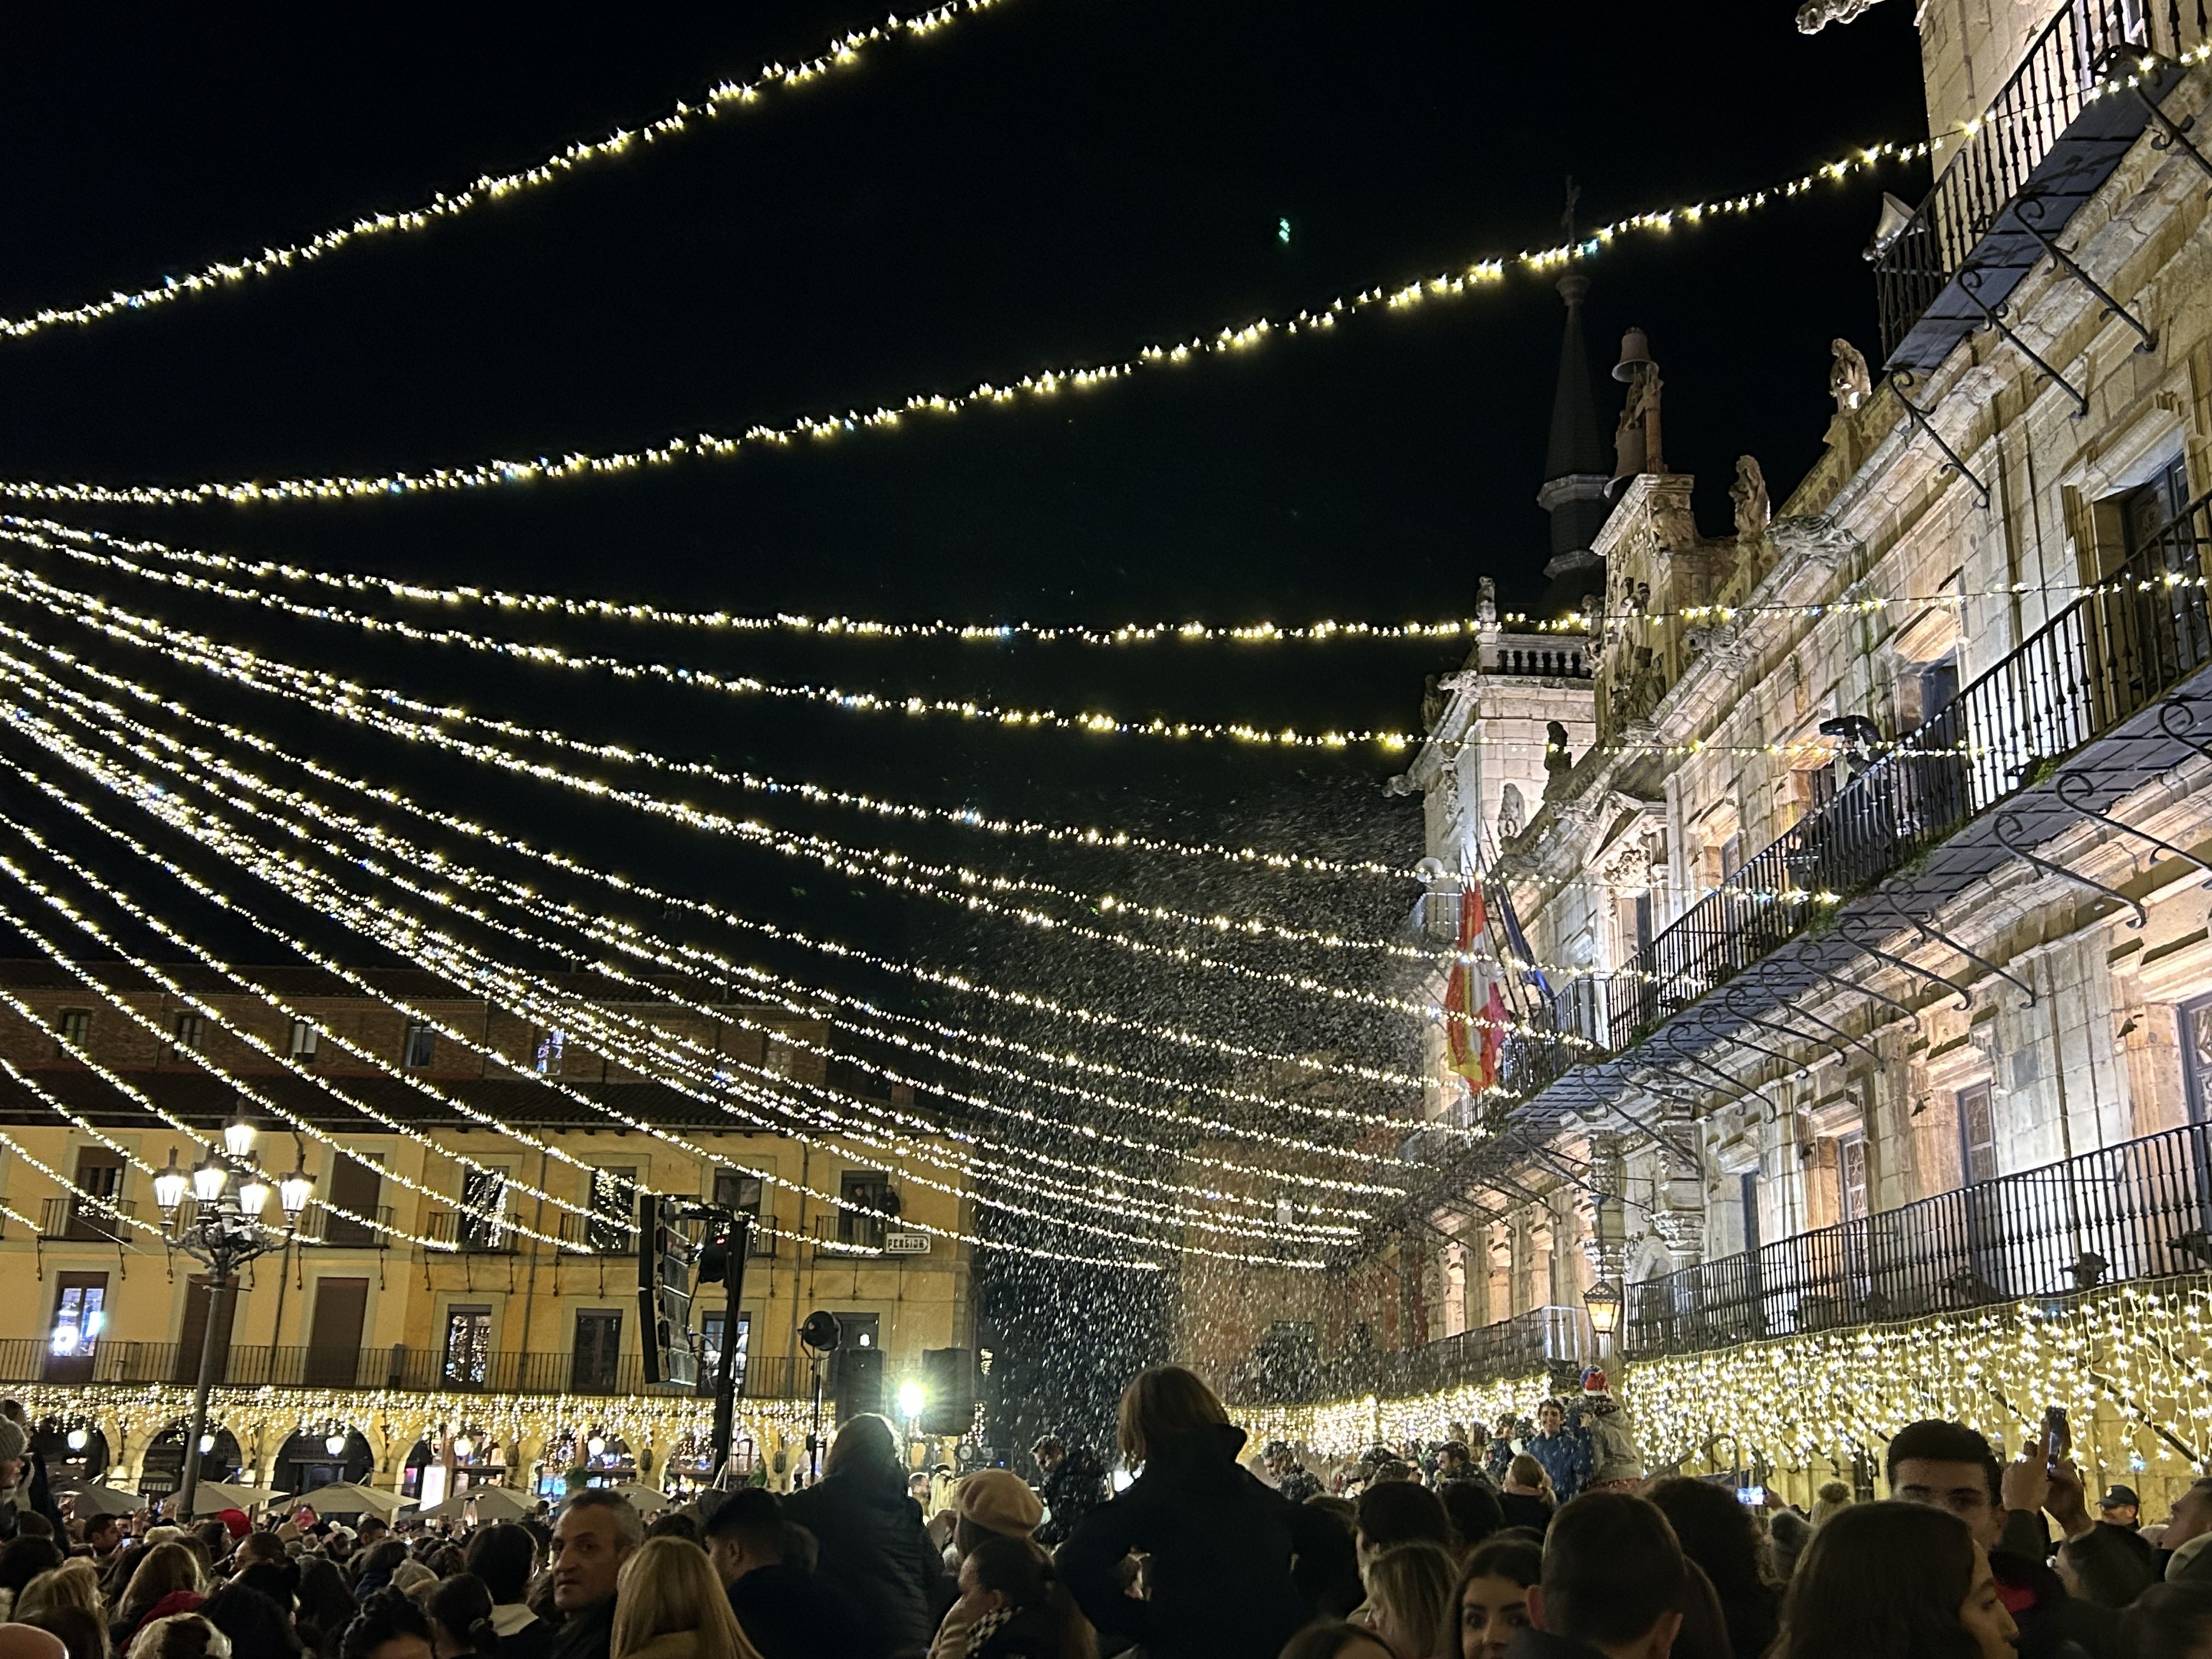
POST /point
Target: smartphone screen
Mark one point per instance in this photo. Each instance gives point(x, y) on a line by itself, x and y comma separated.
point(2058, 1434)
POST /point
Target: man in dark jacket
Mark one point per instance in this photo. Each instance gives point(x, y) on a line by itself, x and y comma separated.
point(1074, 1485)
point(872, 1554)
point(1234, 1569)
point(1612, 1587)
point(767, 1565)
point(595, 1534)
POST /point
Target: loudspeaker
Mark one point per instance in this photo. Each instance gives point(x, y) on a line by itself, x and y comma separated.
point(859, 1381)
point(948, 1376)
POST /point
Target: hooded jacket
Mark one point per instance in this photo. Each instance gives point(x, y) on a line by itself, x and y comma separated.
point(1235, 1568)
point(875, 1558)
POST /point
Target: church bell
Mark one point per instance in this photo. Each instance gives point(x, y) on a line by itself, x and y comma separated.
point(1635, 349)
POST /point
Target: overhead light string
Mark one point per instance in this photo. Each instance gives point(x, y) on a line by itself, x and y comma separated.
point(1039, 386)
point(127, 554)
point(703, 963)
point(963, 983)
point(1093, 723)
point(844, 51)
point(806, 1001)
point(281, 870)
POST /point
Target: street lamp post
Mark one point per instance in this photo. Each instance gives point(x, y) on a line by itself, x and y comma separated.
point(224, 1231)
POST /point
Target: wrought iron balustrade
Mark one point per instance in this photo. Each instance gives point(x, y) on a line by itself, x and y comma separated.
point(31, 1360)
point(2139, 1210)
point(2079, 98)
point(2109, 655)
point(1532, 1341)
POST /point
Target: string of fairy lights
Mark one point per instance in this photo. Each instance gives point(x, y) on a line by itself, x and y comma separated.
point(234, 977)
point(643, 1058)
point(1090, 722)
point(805, 1001)
point(1042, 384)
point(126, 554)
point(644, 1045)
point(325, 868)
point(1027, 998)
point(140, 788)
point(846, 51)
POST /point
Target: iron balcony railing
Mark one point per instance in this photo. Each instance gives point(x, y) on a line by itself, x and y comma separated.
point(2105, 657)
point(32, 1359)
point(2139, 1210)
point(1533, 1341)
point(2090, 49)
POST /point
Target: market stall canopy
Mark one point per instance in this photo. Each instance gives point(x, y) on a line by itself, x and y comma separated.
point(348, 1498)
point(215, 1496)
point(490, 1503)
point(647, 1500)
point(86, 1501)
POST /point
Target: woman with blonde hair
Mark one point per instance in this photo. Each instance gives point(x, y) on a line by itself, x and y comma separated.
point(1234, 1569)
point(164, 1570)
point(72, 1584)
point(669, 1605)
point(1409, 1599)
point(1834, 1495)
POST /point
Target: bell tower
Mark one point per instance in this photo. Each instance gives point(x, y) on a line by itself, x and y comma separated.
point(1576, 468)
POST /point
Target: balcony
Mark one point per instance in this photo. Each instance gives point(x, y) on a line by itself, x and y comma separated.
point(2080, 99)
point(1535, 1342)
point(2104, 658)
point(319, 1226)
point(2139, 1210)
point(28, 1359)
point(470, 1231)
point(84, 1218)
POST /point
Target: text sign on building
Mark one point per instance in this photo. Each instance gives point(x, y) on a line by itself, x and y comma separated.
point(906, 1244)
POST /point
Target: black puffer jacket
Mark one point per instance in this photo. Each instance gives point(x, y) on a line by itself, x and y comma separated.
point(876, 1559)
point(1235, 1568)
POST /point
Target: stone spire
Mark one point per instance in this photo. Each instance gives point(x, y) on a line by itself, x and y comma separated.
point(1577, 464)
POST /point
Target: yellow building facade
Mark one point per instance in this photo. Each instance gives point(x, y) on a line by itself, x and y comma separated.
point(459, 1301)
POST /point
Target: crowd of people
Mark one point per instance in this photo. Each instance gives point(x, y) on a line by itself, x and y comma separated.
point(1209, 1551)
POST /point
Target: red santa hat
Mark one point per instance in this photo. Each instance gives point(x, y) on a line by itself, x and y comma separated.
point(1593, 1381)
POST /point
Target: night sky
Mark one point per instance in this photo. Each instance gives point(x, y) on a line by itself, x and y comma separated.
point(1055, 182)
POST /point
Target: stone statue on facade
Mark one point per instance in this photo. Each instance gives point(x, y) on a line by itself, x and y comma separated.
point(1849, 382)
point(1557, 761)
point(1513, 815)
point(1636, 447)
point(1485, 602)
point(1432, 701)
point(1754, 511)
point(1816, 15)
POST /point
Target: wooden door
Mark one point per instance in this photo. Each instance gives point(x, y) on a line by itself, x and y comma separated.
point(334, 1339)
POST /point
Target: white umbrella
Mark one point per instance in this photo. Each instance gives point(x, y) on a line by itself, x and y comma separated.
point(490, 1503)
point(348, 1497)
point(104, 1500)
point(649, 1499)
point(215, 1496)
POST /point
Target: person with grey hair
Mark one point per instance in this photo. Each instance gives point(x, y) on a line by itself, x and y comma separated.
point(874, 1554)
point(597, 1531)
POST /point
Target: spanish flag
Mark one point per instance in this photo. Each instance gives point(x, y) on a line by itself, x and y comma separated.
point(1467, 1053)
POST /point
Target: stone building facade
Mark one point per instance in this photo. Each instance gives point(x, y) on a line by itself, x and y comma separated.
point(1875, 1009)
point(433, 1318)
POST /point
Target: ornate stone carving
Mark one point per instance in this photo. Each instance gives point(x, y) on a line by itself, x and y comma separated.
point(1814, 537)
point(1753, 508)
point(1559, 763)
point(1849, 383)
point(1485, 602)
point(1512, 814)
